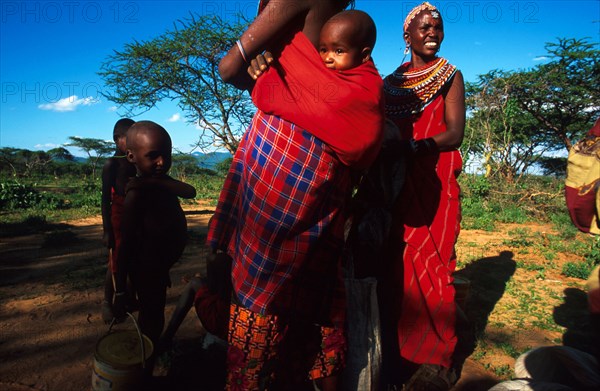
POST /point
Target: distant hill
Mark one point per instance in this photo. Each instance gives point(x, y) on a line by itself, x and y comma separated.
point(210, 160)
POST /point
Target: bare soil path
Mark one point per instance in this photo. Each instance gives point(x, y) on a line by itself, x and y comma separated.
point(50, 296)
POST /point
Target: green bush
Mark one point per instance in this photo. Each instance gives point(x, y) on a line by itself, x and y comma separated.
point(88, 196)
point(222, 167)
point(564, 226)
point(583, 269)
point(476, 215)
point(15, 195)
point(579, 270)
point(52, 201)
point(593, 256)
point(512, 214)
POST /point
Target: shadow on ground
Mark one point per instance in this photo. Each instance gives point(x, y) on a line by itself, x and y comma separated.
point(488, 278)
point(192, 365)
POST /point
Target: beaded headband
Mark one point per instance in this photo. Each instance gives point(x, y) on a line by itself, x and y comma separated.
point(417, 10)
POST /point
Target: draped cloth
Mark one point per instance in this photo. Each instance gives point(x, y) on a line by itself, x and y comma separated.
point(417, 295)
point(280, 213)
point(280, 217)
point(582, 185)
point(344, 109)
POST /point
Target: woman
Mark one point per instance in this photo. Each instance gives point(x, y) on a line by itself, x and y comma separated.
point(425, 99)
point(280, 217)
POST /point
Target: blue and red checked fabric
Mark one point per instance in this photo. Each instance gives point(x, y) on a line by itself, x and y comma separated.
point(280, 217)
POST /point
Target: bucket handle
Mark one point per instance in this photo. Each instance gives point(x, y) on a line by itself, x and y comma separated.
point(139, 332)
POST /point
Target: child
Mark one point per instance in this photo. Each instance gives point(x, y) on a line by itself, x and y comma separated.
point(343, 109)
point(115, 174)
point(154, 227)
point(347, 40)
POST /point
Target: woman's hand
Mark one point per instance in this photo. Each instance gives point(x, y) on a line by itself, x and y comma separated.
point(260, 64)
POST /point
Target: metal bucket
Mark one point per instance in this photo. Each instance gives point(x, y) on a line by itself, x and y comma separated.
point(120, 359)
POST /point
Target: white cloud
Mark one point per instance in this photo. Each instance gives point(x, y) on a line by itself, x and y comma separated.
point(69, 104)
point(174, 118)
point(540, 58)
point(112, 109)
point(47, 146)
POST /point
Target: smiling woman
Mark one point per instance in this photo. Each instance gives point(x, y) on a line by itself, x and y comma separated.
point(425, 100)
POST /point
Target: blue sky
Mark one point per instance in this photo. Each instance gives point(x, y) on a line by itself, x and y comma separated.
point(50, 52)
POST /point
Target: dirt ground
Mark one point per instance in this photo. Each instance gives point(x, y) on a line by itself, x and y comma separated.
point(50, 321)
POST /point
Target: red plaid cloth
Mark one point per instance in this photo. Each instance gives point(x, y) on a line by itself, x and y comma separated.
point(280, 218)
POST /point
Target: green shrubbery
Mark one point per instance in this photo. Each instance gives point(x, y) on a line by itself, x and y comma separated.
point(73, 197)
point(583, 269)
point(16, 195)
point(486, 202)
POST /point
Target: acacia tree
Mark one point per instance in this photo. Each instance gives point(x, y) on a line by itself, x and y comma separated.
point(24, 162)
point(182, 65)
point(562, 95)
point(516, 118)
point(61, 153)
point(8, 158)
point(503, 136)
point(95, 148)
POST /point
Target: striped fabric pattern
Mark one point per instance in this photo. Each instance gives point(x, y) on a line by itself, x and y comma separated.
point(430, 213)
point(280, 218)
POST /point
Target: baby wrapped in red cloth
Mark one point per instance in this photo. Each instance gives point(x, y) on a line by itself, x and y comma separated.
point(341, 106)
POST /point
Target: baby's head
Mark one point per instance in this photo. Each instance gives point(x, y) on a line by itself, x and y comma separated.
point(120, 132)
point(347, 40)
point(149, 148)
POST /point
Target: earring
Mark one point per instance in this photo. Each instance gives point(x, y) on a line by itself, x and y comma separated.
point(406, 51)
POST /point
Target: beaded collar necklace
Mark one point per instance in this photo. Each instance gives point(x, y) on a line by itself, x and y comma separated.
point(409, 91)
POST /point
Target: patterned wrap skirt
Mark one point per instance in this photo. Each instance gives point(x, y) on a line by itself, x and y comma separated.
point(281, 218)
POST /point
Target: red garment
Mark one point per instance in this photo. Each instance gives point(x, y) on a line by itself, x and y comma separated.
point(212, 311)
point(116, 214)
point(582, 194)
point(281, 218)
point(428, 213)
point(344, 109)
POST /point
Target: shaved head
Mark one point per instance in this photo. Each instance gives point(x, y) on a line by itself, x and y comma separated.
point(361, 25)
point(146, 127)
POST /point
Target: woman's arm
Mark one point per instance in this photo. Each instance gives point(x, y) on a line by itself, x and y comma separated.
point(280, 18)
point(454, 116)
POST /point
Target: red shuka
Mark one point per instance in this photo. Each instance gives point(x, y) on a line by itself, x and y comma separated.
point(344, 109)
